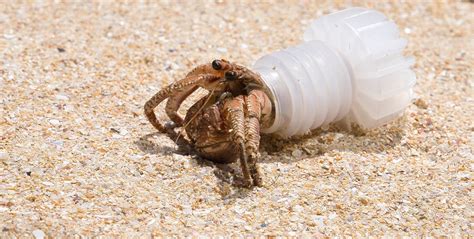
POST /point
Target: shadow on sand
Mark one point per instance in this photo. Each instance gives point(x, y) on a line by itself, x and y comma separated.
point(278, 149)
point(228, 174)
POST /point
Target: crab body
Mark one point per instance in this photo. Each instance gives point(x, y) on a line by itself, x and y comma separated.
point(223, 126)
point(209, 133)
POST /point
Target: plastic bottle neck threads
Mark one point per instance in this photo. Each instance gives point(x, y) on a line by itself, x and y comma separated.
point(311, 85)
point(350, 67)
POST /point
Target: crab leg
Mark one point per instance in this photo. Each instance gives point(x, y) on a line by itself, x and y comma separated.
point(175, 101)
point(235, 117)
point(183, 85)
point(255, 102)
point(217, 68)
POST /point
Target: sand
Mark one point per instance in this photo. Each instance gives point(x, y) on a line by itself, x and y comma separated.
point(78, 157)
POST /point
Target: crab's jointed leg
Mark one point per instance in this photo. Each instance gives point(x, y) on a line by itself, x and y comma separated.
point(254, 103)
point(177, 92)
point(184, 85)
point(174, 102)
point(235, 117)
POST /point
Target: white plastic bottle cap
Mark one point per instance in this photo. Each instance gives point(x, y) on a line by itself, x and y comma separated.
point(349, 67)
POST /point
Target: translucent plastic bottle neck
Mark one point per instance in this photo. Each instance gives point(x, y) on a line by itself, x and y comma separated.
point(311, 85)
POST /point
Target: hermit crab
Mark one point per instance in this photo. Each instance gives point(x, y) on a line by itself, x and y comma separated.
point(223, 126)
point(349, 69)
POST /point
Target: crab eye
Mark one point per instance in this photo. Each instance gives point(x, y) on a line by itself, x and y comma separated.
point(230, 75)
point(216, 65)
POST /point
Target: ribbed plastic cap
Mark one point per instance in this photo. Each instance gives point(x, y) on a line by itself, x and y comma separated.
point(371, 44)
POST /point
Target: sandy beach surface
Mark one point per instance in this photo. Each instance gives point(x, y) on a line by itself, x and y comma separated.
point(78, 157)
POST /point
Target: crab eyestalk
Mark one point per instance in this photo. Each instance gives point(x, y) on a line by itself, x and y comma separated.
point(349, 67)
